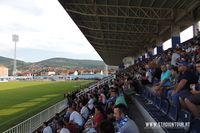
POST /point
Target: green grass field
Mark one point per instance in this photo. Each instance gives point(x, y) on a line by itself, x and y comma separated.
point(21, 100)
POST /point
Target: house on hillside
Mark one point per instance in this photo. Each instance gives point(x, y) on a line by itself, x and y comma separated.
point(47, 73)
point(24, 73)
point(3, 70)
point(51, 73)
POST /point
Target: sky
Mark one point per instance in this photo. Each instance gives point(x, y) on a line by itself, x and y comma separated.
point(45, 31)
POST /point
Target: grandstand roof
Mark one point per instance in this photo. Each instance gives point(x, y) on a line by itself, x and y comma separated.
point(121, 28)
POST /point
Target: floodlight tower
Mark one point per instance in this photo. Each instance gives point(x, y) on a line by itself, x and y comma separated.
point(15, 39)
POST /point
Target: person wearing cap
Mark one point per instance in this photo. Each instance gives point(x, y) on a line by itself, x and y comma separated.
point(185, 78)
point(192, 101)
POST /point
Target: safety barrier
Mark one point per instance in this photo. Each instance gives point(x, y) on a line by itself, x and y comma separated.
point(92, 87)
point(33, 123)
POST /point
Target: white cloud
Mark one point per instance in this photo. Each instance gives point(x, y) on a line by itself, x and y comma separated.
point(41, 24)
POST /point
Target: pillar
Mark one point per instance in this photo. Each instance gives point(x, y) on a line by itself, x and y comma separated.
point(150, 52)
point(159, 44)
point(175, 35)
point(196, 28)
point(143, 57)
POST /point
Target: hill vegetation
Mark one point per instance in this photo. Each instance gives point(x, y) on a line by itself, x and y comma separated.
point(55, 63)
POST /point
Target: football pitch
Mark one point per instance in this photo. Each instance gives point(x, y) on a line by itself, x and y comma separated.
point(21, 100)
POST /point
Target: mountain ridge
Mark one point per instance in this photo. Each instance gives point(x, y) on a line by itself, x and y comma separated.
point(56, 62)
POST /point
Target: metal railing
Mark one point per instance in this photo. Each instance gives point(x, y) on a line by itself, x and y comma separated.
point(92, 87)
point(33, 123)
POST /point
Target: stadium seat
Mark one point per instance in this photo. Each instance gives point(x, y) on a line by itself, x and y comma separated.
point(184, 116)
point(173, 112)
point(157, 102)
point(145, 93)
point(164, 106)
point(195, 126)
point(152, 97)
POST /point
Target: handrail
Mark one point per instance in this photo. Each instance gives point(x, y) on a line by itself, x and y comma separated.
point(33, 123)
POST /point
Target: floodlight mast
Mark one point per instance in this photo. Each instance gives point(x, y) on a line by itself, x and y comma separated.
point(15, 39)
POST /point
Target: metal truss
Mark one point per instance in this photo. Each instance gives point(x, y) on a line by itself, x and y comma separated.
point(121, 21)
point(121, 36)
point(112, 27)
point(125, 45)
point(115, 51)
point(118, 52)
point(91, 22)
point(120, 11)
point(91, 38)
point(111, 50)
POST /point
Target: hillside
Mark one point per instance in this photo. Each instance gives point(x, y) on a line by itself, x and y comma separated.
point(8, 62)
point(70, 63)
point(54, 62)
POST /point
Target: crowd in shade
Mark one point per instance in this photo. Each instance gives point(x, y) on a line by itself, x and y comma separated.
point(172, 74)
point(101, 110)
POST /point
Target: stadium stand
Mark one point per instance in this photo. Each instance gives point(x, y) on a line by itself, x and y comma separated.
point(161, 82)
point(155, 93)
point(120, 91)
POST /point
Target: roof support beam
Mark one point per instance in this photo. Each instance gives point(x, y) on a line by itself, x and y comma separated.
point(125, 45)
point(119, 11)
point(135, 36)
point(113, 39)
point(115, 51)
point(114, 31)
point(135, 28)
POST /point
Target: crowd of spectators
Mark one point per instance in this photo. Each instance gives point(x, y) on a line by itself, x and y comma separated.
point(101, 110)
point(172, 74)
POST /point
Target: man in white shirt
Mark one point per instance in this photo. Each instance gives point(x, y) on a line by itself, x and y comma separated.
point(148, 74)
point(62, 128)
point(175, 56)
point(47, 129)
point(75, 117)
point(102, 97)
point(84, 110)
point(90, 103)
